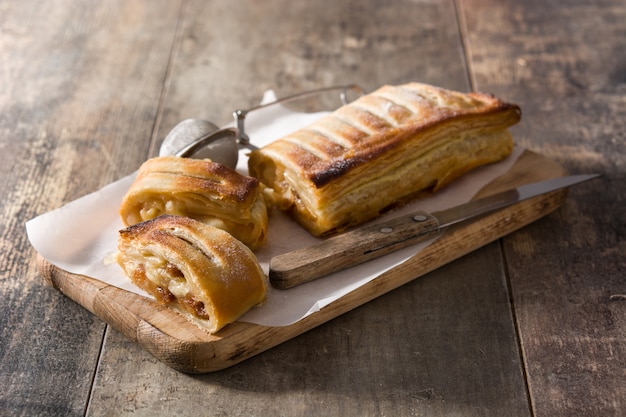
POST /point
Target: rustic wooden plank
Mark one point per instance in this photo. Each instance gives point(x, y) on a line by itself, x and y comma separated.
point(292, 47)
point(80, 86)
point(435, 346)
point(565, 64)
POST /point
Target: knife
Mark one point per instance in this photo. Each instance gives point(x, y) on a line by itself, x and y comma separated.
point(366, 243)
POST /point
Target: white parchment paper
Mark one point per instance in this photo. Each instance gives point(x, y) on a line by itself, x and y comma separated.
point(81, 237)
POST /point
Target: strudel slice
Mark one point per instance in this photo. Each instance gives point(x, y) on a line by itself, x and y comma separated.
point(199, 270)
point(200, 189)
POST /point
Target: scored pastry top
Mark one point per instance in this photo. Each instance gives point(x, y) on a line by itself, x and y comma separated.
point(376, 122)
point(201, 189)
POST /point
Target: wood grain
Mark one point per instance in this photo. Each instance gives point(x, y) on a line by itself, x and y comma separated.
point(79, 91)
point(565, 65)
point(292, 47)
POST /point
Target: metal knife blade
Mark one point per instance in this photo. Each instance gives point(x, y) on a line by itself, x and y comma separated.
point(372, 241)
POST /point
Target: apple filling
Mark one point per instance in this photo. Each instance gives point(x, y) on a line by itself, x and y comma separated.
point(168, 285)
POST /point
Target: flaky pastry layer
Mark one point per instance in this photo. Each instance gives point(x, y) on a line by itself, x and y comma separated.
point(199, 270)
point(200, 189)
point(381, 150)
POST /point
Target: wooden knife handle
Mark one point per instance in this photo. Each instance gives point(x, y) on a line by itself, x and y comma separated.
point(351, 248)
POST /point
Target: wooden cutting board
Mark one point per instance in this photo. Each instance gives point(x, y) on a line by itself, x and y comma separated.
point(182, 345)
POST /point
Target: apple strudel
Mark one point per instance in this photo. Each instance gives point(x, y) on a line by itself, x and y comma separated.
point(382, 150)
point(199, 270)
point(203, 190)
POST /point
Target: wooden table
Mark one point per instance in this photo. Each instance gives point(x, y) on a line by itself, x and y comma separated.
point(531, 325)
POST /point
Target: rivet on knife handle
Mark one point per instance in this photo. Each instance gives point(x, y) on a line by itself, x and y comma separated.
point(349, 249)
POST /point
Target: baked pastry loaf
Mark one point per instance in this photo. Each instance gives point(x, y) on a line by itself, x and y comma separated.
point(200, 189)
point(382, 150)
point(199, 270)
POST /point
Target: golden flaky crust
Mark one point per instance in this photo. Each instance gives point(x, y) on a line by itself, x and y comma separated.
point(200, 189)
point(201, 271)
point(381, 150)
